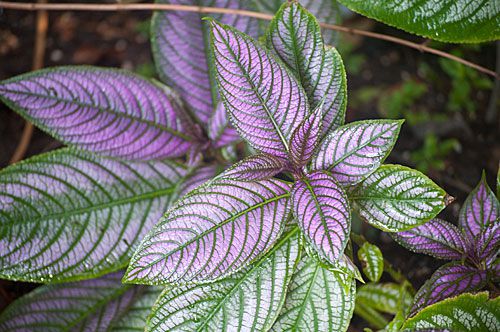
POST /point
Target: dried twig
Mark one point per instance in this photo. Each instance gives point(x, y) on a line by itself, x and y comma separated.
point(215, 10)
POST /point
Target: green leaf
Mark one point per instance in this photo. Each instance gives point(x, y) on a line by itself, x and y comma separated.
point(457, 21)
point(317, 300)
point(101, 304)
point(384, 297)
point(249, 300)
point(372, 261)
point(396, 198)
point(466, 312)
point(69, 215)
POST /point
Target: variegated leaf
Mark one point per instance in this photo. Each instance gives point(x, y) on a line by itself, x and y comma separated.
point(68, 215)
point(372, 261)
point(196, 178)
point(479, 210)
point(265, 108)
point(322, 211)
point(436, 238)
point(327, 11)
point(396, 198)
point(449, 280)
point(466, 312)
point(214, 231)
point(295, 36)
point(354, 151)
point(219, 130)
point(108, 111)
point(488, 242)
point(305, 139)
point(180, 50)
point(92, 305)
point(317, 300)
point(255, 168)
point(384, 297)
point(249, 300)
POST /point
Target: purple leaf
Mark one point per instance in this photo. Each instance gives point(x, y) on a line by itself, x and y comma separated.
point(219, 129)
point(322, 211)
point(436, 238)
point(108, 111)
point(305, 138)
point(449, 280)
point(180, 41)
point(354, 151)
point(295, 36)
point(256, 167)
point(68, 215)
point(479, 210)
point(212, 232)
point(197, 177)
point(264, 99)
point(488, 242)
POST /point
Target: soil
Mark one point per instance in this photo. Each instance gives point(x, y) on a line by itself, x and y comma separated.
point(120, 40)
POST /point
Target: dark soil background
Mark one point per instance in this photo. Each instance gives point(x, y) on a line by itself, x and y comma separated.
point(121, 40)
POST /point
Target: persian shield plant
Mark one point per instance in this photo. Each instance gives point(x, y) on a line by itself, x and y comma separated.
point(262, 245)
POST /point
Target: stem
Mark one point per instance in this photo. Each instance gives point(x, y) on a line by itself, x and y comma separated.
point(216, 10)
point(370, 315)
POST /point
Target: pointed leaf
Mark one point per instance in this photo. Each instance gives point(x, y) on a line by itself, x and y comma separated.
point(479, 210)
point(108, 111)
point(488, 241)
point(90, 305)
point(354, 151)
point(305, 139)
point(466, 312)
point(294, 34)
point(255, 168)
point(396, 198)
point(197, 177)
point(384, 297)
point(249, 300)
point(456, 21)
point(322, 211)
point(68, 215)
point(317, 300)
point(219, 129)
point(436, 238)
point(448, 281)
point(372, 261)
point(180, 50)
point(214, 231)
point(265, 108)
point(326, 11)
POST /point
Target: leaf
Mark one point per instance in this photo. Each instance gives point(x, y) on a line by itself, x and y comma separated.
point(214, 231)
point(354, 151)
point(322, 211)
point(488, 242)
point(317, 300)
point(68, 215)
point(396, 198)
point(91, 305)
point(180, 44)
point(384, 297)
point(107, 111)
point(372, 261)
point(219, 130)
point(436, 238)
point(466, 312)
point(264, 108)
point(479, 210)
point(449, 280)
point(197, 177)
point(455, 21)
point(249, 300)
point(305, 139)
point(326, 11)
point(295, 36)
point(255, 168)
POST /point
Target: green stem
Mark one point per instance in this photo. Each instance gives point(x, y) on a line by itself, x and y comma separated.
point(370, 315)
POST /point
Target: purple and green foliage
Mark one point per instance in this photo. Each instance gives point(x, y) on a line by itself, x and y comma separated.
point(473, 246)
point(260, 246)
